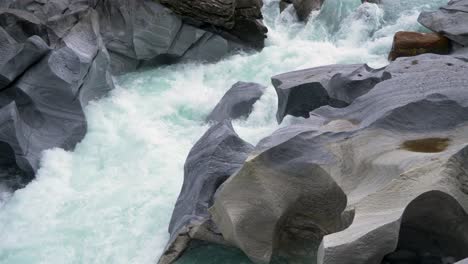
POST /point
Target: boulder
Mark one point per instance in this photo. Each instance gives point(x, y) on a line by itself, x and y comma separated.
point(302, 91)
point(56, 56)
point(449, 21)
point(305, 7)
point(46, 84)
point(217, 155)
point(238, 20)
point(407, 44)
point(378, 175)
point(237, 102)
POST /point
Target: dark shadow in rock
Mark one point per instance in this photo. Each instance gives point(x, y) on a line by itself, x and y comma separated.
point(434, 229)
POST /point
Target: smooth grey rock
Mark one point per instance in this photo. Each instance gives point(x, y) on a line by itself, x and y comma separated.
point(365, 172)
point(302, 91)
point(450, 20)
point(16, 58)
point(145, 33)
point(58, 55)
point(217, 155)
point(237, 102)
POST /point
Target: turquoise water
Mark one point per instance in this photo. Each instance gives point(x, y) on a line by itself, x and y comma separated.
point(111, 199)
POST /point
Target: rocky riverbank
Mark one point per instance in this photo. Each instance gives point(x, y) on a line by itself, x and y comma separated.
point(372, 170)
point(56, 56)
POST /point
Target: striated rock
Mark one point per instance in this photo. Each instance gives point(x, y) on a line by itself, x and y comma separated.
point(238, 20)
point(46, 84)
point(154, 35)
point(407, 44)
point(302, 91)
point(378, 175)
point(217, 155)
point(449, 20)
point(56, 56)
point(17, 57)
point(237, 102)
point(305, 7)
point(213, 12)
point(41, 85)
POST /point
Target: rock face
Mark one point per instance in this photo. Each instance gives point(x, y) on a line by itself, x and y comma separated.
point(283, 4)
point(406, 44)
point(305, 7)
point(56, 56)
point(215, 157)
point(238, 19)
point(450, 20)
point(382, 175)
point(49, 72)
point(237, 102)
point(302, 91)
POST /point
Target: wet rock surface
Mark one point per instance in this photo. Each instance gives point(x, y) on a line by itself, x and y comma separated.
point(238, 19)
point(369, 176)
point(450, 20)
point(56, 56)
point(217, 155)
point(237, 102)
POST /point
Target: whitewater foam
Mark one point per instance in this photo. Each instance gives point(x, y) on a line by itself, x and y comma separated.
point(111, 199)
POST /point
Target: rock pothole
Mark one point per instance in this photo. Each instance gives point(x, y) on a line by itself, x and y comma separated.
point(426, 145)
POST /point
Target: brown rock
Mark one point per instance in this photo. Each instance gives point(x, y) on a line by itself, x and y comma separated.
point(407, 44)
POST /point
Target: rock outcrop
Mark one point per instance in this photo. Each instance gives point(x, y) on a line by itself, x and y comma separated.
point(217, 155)
point(450, 20)
point(407, 44)
point(302, 91)
point(50, 70)
point(237, 102)
point(237, 19)
point(371, 177)
point(56, 56)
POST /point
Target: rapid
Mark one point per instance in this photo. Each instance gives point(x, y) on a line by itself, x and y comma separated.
point(111, 199)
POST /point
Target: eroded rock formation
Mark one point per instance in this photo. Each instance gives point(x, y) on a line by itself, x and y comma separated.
point(238, 19)
point(217, 155)
point(359, 170)
point(237, 102)
point(56, 56)
point(302, 91)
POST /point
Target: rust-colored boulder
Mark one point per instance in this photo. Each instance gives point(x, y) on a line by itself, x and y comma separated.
point(407, 44)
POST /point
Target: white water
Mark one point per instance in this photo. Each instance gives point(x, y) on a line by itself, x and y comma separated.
point(110, 200)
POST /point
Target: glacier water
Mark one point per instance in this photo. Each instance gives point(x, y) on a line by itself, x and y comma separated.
point(110, 200)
